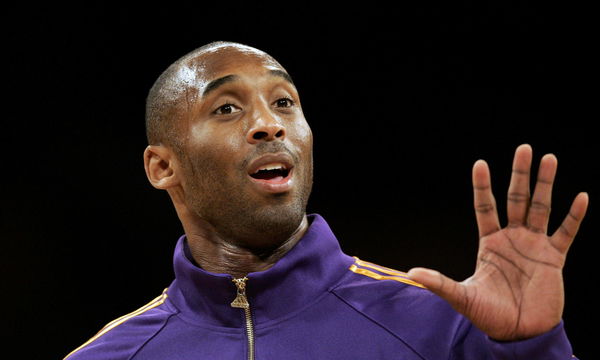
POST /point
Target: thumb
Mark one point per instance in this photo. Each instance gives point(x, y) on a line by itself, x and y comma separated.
point(439, 284)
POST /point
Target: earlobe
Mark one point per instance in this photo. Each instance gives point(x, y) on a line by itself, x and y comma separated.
point(159, 164)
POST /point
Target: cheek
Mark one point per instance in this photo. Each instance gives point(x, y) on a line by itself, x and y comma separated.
point(217, 135)
point(214, 149)
point(304, 131)
point(199, 133)
point(302, 135)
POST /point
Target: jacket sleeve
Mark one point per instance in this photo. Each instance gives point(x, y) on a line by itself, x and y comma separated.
point(474, 344)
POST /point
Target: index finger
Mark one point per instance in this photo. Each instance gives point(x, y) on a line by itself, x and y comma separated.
point(484, 201)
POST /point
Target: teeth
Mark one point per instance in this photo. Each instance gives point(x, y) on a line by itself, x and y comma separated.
point(274, 166)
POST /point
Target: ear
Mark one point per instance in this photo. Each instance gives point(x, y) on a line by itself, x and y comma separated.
point(160, 165)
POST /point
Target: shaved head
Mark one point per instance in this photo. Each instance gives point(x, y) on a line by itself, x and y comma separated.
point(179, 87)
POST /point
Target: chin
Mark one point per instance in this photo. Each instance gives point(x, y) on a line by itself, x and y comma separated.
point(273, 225)
point(263, 227)
point(255, 222)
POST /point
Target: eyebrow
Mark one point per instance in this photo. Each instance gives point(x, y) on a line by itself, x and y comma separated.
point(213, 85)
point(282, 74)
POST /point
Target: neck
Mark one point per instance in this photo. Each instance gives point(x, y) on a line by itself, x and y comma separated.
point(215, 254)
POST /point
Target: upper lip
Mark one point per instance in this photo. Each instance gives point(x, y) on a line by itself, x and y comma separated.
point(271, 158)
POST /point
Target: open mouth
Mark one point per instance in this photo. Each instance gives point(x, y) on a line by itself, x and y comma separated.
point(274, 172)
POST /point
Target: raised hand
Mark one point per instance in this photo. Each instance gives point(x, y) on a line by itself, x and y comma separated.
point(517, 289)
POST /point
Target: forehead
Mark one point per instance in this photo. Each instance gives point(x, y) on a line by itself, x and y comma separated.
point(223, 58)
point(198, 71)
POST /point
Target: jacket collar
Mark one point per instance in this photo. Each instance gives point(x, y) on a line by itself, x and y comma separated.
point(313, 266)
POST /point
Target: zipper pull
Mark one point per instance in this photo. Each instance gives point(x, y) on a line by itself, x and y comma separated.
point(240, 301)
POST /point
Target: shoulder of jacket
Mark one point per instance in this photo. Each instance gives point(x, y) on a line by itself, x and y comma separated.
point(369, 285)
point(400, 306)
point(377, 272)
point(124, 336)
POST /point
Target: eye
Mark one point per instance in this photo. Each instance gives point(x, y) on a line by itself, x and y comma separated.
point(227, 109)
point(284, 103)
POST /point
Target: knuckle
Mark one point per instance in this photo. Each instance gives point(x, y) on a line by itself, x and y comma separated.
point(565, 231)
point(484, 208)
point(518, 197)
point(539, 207)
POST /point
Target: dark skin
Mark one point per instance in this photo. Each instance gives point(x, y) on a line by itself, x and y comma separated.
point(233, 226)
point(517, 289)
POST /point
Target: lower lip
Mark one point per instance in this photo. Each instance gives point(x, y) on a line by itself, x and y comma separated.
point(278, 185)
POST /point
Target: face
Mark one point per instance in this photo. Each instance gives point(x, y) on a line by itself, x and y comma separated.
point(246, 156)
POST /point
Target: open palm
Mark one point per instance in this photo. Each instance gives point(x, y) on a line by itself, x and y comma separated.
point(517, 289)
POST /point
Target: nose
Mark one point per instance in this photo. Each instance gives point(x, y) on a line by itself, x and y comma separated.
point(265, 128)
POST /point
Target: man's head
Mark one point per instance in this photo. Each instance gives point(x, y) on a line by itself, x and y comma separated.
point(229, 142)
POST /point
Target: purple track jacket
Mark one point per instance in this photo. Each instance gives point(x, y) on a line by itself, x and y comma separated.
point(315, 303)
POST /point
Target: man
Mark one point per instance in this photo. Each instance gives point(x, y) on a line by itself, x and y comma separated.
point(257, 278)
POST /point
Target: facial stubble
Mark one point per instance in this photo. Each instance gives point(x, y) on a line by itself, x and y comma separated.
point(238, 214)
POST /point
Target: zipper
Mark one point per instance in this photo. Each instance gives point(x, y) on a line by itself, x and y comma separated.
point(241, 302)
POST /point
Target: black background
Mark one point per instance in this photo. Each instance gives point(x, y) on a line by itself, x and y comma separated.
point(401, 103)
